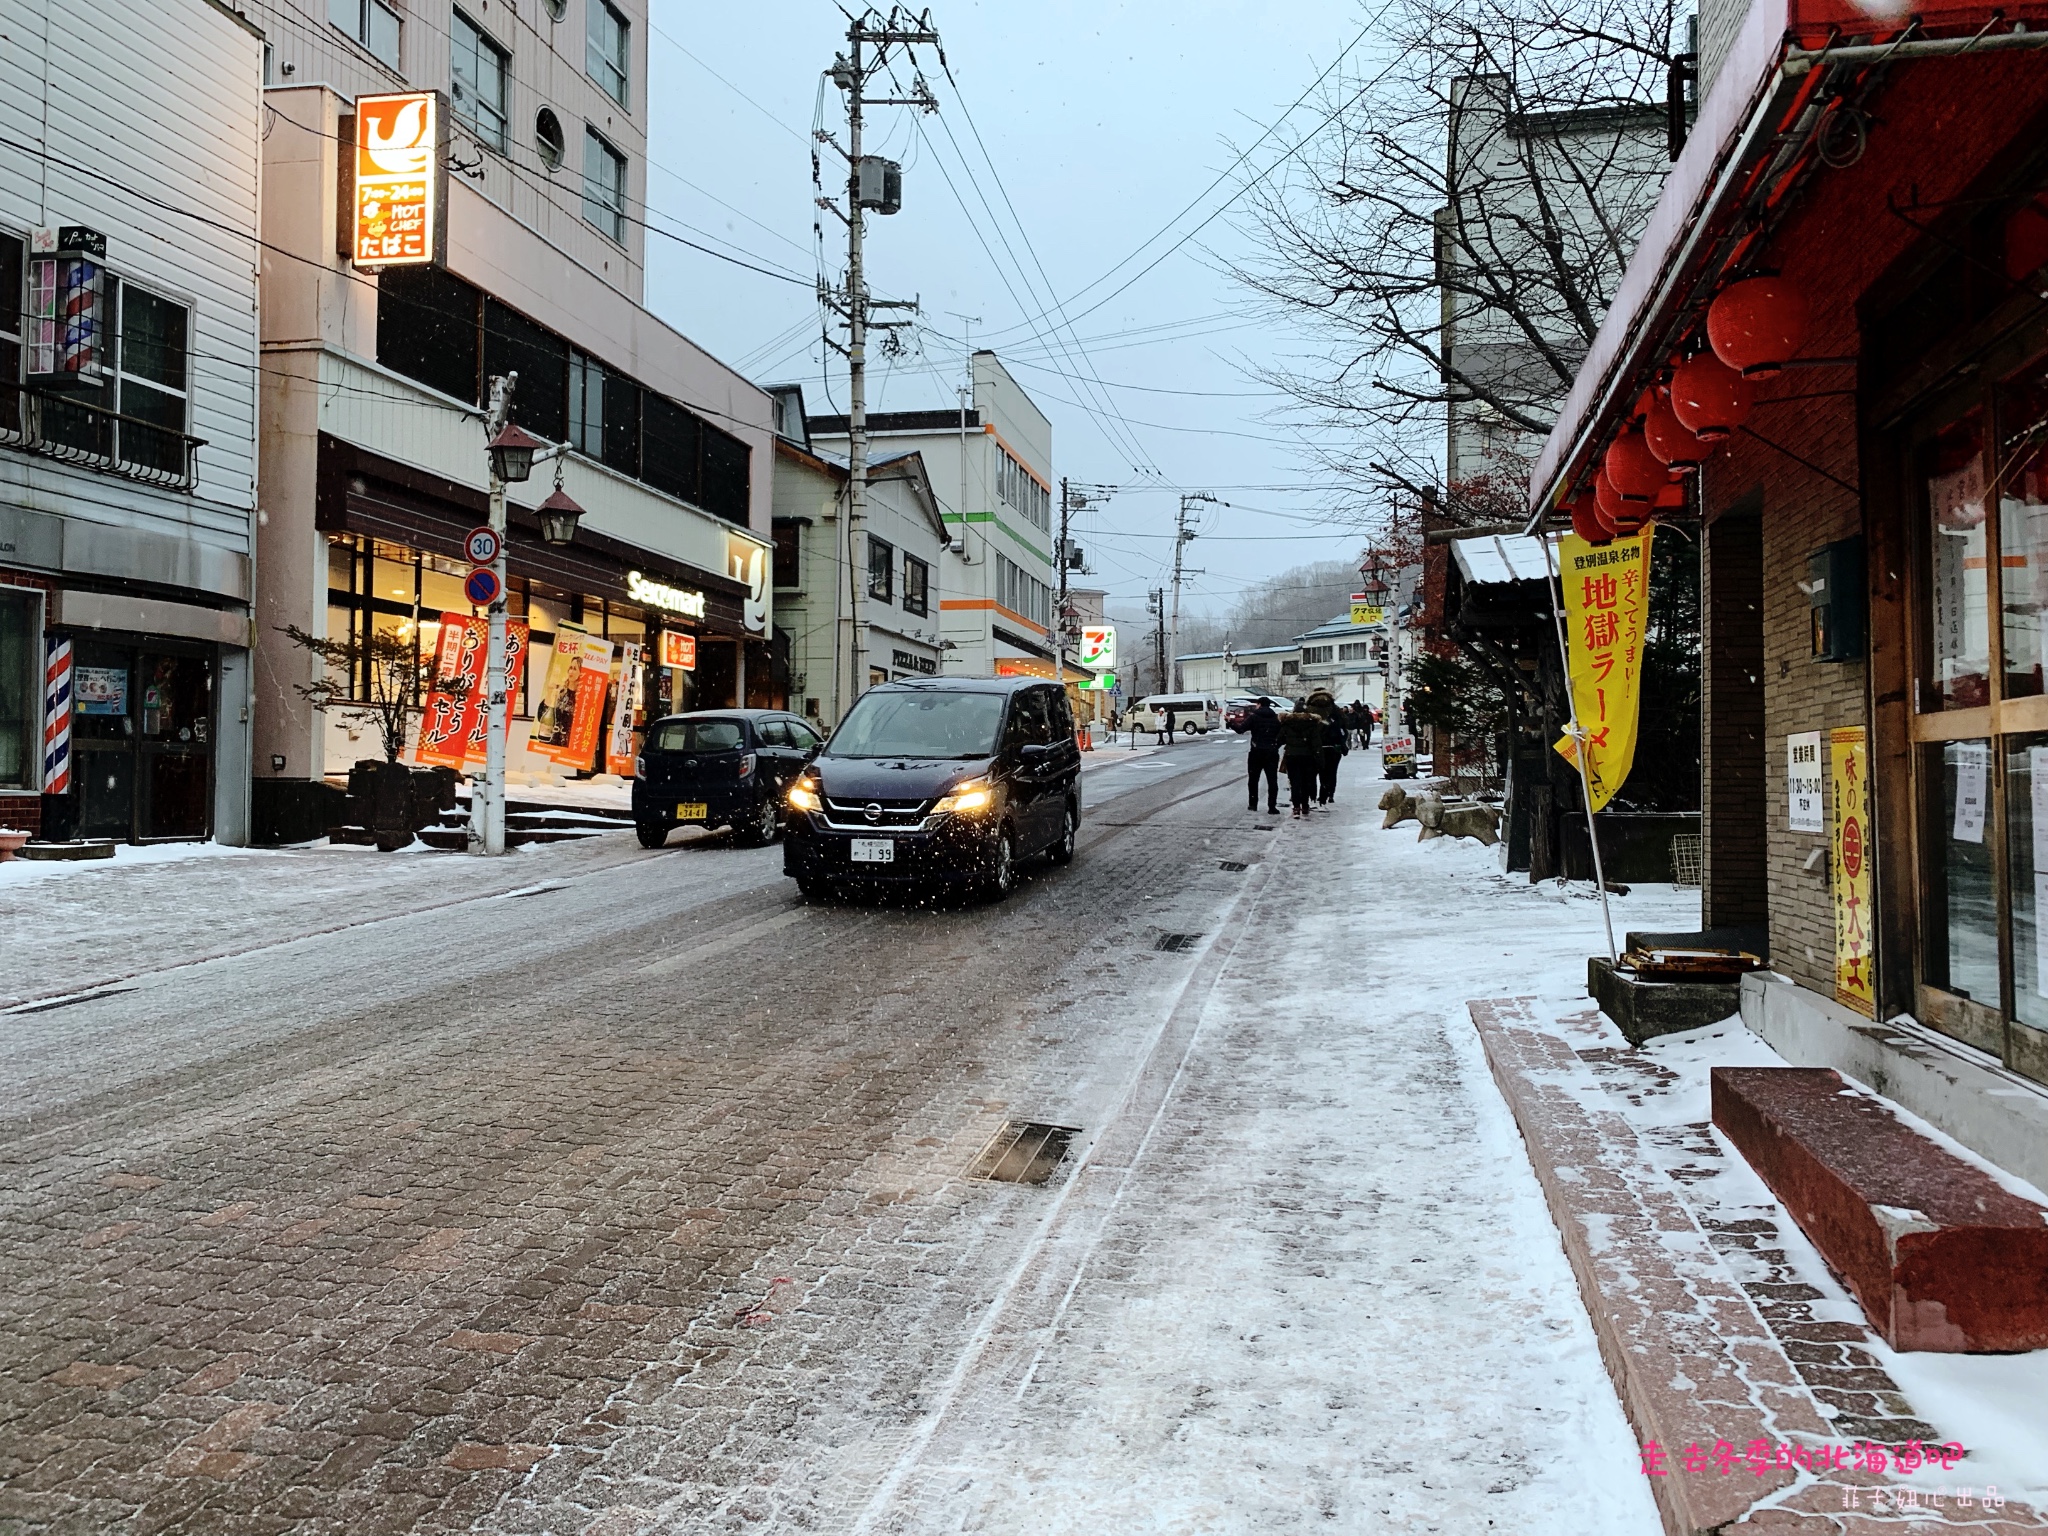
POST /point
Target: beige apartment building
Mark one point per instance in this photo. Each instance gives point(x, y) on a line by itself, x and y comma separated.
point(376, 378)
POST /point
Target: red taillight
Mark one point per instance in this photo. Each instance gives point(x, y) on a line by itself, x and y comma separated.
point(746, 765)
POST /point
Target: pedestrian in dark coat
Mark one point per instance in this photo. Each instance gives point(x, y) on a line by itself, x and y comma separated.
point(1262, 726)
point(1323, 705)
point(1301, 746)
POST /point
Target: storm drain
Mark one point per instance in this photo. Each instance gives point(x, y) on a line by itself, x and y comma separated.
point(1023, 1152)
point(1233, 866)
point(1173, 941)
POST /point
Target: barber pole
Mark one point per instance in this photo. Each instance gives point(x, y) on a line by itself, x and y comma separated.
point(57, 720)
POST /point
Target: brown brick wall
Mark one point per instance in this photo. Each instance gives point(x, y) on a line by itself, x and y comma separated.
point(1732, 723)
point(1802, 509)
point(21, 813)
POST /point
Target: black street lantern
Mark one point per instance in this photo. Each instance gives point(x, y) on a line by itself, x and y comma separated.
point(558, 515)
point(512, 452)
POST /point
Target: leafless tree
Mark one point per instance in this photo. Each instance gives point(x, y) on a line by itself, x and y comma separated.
point(1447, 243)
point(391, 672)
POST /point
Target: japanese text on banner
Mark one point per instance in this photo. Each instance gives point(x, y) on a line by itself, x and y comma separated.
point(1849, 865)
point(1606, 604)
point(618, 748)
point(456, 715)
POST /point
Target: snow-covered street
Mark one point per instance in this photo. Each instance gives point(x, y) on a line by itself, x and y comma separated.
point(603, 1190)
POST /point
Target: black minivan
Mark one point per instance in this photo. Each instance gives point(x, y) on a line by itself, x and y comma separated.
point(721, 767)
point(935, 782)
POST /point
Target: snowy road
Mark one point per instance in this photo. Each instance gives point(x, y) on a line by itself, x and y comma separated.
point(619, 1192)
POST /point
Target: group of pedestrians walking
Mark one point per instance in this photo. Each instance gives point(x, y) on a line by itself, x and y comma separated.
point(1307, 744)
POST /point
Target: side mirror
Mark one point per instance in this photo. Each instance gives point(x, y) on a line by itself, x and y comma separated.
point(1033, 751)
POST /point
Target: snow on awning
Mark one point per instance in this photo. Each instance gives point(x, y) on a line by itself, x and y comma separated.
point(1748, 139)
point(1493, 559)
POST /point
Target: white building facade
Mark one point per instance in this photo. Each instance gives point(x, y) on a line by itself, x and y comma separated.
point(990, 466)
point(900, 569)
point(128, 417)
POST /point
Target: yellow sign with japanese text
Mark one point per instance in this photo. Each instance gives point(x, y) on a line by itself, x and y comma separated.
point(1606, 604)
point(1367, 613)
point(1849, 853)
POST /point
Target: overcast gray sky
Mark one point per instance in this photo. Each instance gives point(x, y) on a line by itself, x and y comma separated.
point(1104, 122)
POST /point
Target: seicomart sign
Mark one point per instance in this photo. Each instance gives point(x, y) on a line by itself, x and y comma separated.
point(397, 204)
point(659, 594)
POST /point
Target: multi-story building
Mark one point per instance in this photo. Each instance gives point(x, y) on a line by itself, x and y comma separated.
point(905, 554)
point(990, 465)
point(1543, 209)
point(128, 403)
point(377, 375)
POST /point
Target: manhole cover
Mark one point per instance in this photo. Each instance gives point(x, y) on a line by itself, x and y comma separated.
point(1023, 1152)
point(1171, 941)
point(1233, 866)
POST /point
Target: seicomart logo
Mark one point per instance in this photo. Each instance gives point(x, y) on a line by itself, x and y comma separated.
point(659, 594)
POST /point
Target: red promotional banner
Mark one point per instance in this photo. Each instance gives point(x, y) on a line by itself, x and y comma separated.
point(454, 721)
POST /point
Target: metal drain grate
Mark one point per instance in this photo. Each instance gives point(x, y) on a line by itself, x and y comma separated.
point(1233, 866)
point(1023, 1152)
point(1173, 941)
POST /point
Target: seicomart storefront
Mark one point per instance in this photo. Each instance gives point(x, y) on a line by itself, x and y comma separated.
point(1839, 303)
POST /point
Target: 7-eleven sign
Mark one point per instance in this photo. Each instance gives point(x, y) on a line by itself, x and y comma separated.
point(1098, 647)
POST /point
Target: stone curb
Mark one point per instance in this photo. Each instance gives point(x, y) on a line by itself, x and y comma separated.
point(1692, 1360)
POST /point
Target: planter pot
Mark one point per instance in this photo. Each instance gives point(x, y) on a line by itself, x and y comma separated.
point(11, 843)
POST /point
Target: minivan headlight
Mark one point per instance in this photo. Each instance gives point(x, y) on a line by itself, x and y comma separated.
point(966, 798)
point(803, 795)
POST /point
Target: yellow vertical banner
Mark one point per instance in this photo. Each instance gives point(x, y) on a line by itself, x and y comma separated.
point(1849, 868)
point(1606, 608)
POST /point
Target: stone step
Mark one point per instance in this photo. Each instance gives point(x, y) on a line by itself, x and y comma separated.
point(1939, 1254)
point(456, 839)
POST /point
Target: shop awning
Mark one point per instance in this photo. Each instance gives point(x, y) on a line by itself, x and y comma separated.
point(1751, 148)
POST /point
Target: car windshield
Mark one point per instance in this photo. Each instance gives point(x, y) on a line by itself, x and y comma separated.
point(920, 724)
point(698, 736)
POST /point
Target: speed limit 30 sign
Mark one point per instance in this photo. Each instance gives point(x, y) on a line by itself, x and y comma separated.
point(481, 545)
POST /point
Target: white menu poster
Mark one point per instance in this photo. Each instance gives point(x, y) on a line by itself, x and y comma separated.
point(1805, 777)
point(1973, 765)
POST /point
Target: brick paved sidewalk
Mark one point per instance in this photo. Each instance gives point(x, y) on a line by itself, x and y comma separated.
point(1702, 1354)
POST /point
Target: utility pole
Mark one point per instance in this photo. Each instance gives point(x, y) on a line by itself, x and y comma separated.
point(487, 796)
point(1155, 603)
point(871, 183)
point(1182, 535)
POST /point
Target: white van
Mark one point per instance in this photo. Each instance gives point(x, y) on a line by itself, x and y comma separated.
point(1192, 712)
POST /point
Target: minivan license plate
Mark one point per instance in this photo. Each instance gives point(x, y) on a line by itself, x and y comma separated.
point(874, 850)
point(690, 810)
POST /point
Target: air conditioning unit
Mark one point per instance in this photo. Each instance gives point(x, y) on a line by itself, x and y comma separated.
point(879, 184)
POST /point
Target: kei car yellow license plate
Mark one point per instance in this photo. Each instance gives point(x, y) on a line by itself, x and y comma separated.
point(690, 810)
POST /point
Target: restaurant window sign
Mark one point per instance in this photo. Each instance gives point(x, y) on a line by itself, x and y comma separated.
point(398, 196)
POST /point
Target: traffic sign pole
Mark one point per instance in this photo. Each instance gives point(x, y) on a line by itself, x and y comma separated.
point(487, 796)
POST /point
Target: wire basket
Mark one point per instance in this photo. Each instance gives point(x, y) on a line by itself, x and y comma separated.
point(1685, 859)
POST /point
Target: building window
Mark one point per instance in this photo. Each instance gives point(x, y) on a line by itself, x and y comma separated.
point(1020, 491)
point(1023, 594)
point(881, 570)
point(548, 140)
point(606, 41)
point(21, 698)
point(370, 23)
point(514, 344)
point(429, 328)
point(917, 586)
point(1311, 655)
point(1252, 669)
point(10, 338)
point(604, 187)
point(1358, 650)
point(1290, 669)
point(586, 405)
point(152, 391)
point(478, 74)
point(789, 570)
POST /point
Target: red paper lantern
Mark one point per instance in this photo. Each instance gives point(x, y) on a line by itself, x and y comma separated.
point(1616, 515)
point(1757, 325)
point(1669, 442)
point(1586, 521)
point(1632, 469)
point(1709, 398)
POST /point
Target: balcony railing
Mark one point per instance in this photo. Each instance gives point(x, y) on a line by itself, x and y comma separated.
point(61, 427)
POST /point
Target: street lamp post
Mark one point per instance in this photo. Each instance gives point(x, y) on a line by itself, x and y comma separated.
point(511, 453)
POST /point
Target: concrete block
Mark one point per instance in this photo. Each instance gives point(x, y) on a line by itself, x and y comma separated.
point(1642, 1010)
point(1939, 1254)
